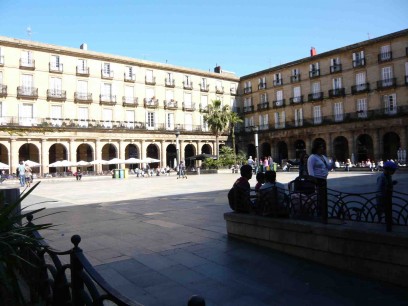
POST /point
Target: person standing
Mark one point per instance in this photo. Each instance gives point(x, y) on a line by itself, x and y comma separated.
point(182, 171)
point(385, 186)
point(303, 164)
point(21, 173)
point(28, 175)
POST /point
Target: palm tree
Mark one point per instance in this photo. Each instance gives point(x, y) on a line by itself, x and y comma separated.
point(217, 119)
point(233, 119)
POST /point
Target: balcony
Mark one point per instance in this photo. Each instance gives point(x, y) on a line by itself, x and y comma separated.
point(151, 103)
point(233, 91)
point(107, 99)
point(129, 78)
point(219, 90)
point(295, 78)
point(83, 97)
point(82, 71)
point(278, 103)
point(54, 68)
point(170, 104)
point(1, 60)
point(359, 63)
point(28, 64)
point(27, 92)
point(130, 101)
point(150, 80)
point(56, 95)
point(263, 106)
point(203, 109)
point(314, 73)
point(384, 57)
point(278, 82)
point(169, 83)
point(387, 83)
point(188, 106)
point(296, 100)
point(361, 88)
point(204, 87)
point(337, 92)
point(3, 91)
point(335, 68)
point(248, 109)
point(188, 86)
point(316, 96)
point(108, 75)
point(262, 86)
point(247, 90)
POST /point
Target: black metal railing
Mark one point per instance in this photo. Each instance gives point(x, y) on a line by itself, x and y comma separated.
point(27, 92)
point(204, 87)
point(53, 67)
point(263, 106)
point(219, 89)
point(262, 86)
point(360, 88)
point(335, 68)
point(337, 92)
point(150, 80)
point(82, 71)
point(82, 97)
point(151, 103)
point(188, 106)
point(247, 90)
point(279, 103)
point(317, 96)
point(359, 63)
point(129, 78)
point(386, 83)
point(314, 73)
point(385, 57)
point(295, 78)
point(170, 104)
point(56, 95)
point(248, 109)
point(3, 91)
point(169, 83)
point(27, 64)
point(107, 99)
point(130, 101)
point(296, 100)
point(188, 86)
point(277, 82)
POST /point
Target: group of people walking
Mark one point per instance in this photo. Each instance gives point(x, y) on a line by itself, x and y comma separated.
point(25, 174)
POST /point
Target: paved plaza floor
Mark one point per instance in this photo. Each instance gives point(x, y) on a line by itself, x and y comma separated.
point(160, 240)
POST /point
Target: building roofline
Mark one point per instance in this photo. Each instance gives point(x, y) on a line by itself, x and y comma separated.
point(328, 53)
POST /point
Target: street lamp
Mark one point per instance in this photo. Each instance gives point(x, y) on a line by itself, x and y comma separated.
point(255, 130)
point(177, 148)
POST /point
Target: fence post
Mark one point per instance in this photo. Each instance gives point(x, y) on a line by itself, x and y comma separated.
point(388, 209)
point(322, 198)
point(77, 284)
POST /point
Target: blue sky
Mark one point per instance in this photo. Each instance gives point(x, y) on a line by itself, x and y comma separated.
point(240, 36)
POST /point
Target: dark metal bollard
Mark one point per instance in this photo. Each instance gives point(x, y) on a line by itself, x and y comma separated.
point(196, 300)
point(77, 284)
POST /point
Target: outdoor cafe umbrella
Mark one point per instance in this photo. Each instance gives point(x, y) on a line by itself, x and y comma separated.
point(149, 160)
point(132, 160)
point(81, 163)
point(99, 162)
point(4, 166)
point(31, 163)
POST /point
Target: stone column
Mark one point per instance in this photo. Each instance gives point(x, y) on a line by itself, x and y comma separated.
point(121, 154)
point(380, 144)
point(376, 145)
point(71, 150)
point(163, 155)
point(44, 156)
point(329, 146)
point(143, 149)
point(13, 156)
point(98, 155)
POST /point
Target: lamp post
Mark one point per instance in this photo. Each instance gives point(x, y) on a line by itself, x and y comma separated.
point(177, 148)
point(255, 130)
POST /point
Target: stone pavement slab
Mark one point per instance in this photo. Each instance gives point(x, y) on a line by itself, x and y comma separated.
point(160, 240)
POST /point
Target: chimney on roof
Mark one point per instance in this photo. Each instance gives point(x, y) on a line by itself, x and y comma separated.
point(217, 69)
point(84, 46)
point(313, 51)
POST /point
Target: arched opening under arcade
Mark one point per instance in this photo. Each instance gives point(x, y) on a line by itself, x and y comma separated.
point(341, 149)
point(282, 151)
point(85, 152)
point(171, 153)
point(132, 151)
point(109, 151)
point(57, 152)
point(189, 151)
point(251, 149)
point(265, 149)
point(365, 148)
point(152, 151)
point(300, 148)
point(29, 151)
point(391, 144)
point(4, 154)
point(206, 149)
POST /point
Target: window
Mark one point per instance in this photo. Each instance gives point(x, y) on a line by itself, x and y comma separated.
point(26, 114)
point(248, 104)
point(335, 65)
point(314, 70)
point(82, 67)
point(385, 53)
point(295, 77)
point(170, 121)
point(390, 104)
point(55, 64)
point(106, 92)
point(187, 82)
point(358, 59)
point(362, 108)
point(107, 70)
point(279, 98)
point(204, 124)
point(233, 89)
point(338, 111)
point(187, 100)
point(299, 117)
point(386, 73)
point(233, 104)
point(56, 87)
point(249, 123)
point(263, 98)
point(277, 79)
point(56, 115)
point(204, 102)
point(27, 59)
point(1, 57)
point(83, 116)
point(169, 96)
point(107, 117)
point(262, 83)
point(188, 122)
point(360, 81)
point(27, 84)
point(247, 87)
point(297, 96)
point(129, 94)
point(149, 94)
point(316, 93)
point(280, 120)
point(336, 83)
point(149, 76)
point(203, 83)
point(150, 120)
point(317, 114)
point(263, 122)
point(169, 79)
point(130, 119)
point(129, 74)
point(82, 90)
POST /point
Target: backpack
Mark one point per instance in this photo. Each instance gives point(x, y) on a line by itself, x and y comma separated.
point(238, 199)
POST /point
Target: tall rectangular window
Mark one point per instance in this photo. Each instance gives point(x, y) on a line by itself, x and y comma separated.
point(338, 111)
point(385, 54)
point(83, 116)
point(56, 115)
point(27, 84)
point(204, 102)
point(130, 73)
point(150, 120)
point(264, 122)
point(56, 87)
point(296, 94)
point(188, 122)
point(170, 121)
point(358, 59)
point(129, 94)
point(82, 66)
point(249, 123)
point(26, 114)
point(362, 108)
point(336, 83)
point(149, 94)
point(317, 114)
point(280, 120)
point(386, 76)
point(27, 58)
point(298, 117)
point(107, 117)
point(279, 98)
point(56, 63)
point(82, 89)
point(187, 100)
point(130, 119)
point(390, 104)
point(149, 76)
point(264, 98)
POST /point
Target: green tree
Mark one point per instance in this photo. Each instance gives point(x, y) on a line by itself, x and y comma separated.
point(233, 119)
point(217, 120)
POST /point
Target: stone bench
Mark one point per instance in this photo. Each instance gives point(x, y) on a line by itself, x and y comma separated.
point(364, 249)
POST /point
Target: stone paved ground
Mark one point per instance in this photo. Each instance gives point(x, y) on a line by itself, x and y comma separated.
point(160, 240)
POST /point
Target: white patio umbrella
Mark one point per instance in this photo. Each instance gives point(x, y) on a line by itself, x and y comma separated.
point(149, 160)
point(4, 166)
point(55, 164)
point(99, 162)
point(31, 163)
point(82, 163)
point(132, 160)
point(115, 161)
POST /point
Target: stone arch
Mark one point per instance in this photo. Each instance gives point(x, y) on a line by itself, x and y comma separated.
point(341, 149)
point(189, 151)
point(153, 151)
point(171, 153)
point(282, 151)
point(132, 151)
point(56, 152)
point(391, 144)
point(109, 151)
point(84, 152)
point(265, 149)
point(364, 146)
point(251, 150)
point(30, 151)
point(4, 153)
point(319, 141)
point(299, 147)
point(206, 148)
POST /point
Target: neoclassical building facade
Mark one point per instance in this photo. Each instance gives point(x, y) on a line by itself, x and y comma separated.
point(354, 99)
point(59, 103)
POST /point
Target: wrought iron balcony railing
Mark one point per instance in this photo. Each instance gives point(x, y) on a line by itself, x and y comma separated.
point(262, 86)
point(151, 103)
point(296, 100)
point(27, 64)
point(359, 63)
point(56, 95)
point(277, 82)
point(247, 90)
point(203, 109)
point(337, 92)
point(233, 91)
point(170, 104)
point(316, 96)
point(188, 86)
point(361, 88)
point(248, 109)
point(219, 89)
point(385, 57)
point(335, 68)
point(263, 106)
point(169, 82)
point(314, 73)
point(83, 97)
point(205, 87)
point(3, 91)
point(278, 103)
point(150, 80)
point(107, 74)
point(27, 92)
point(129, 78)
point(130, 101)
point(55, 68)
point(107, 99)
point(295, 78)
point(386, 83)
point(82, 71)
point(188, 107)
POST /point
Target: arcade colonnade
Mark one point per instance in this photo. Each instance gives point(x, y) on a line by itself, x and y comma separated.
point(48, 150)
